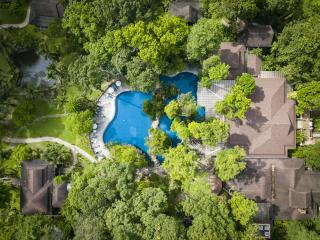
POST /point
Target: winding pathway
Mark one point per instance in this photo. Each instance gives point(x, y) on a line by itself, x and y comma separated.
point(73, 148)
point(19, 25)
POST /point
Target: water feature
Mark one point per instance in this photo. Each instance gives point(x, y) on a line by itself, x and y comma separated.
point(130, 124)
point(33, 69)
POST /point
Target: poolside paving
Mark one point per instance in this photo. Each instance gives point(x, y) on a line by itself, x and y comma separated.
point(106, 106)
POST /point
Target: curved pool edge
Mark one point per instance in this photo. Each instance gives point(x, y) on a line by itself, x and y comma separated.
point(106, 116)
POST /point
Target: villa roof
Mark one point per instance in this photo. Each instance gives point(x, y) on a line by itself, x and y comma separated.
point(36, 178)
point(233, 54)
point(256, 35)
point(187, 9)
point(283, 183)
point(254, 64)
point(269, 127)
point(60, 193)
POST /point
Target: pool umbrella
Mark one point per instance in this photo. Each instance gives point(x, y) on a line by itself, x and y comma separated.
point(110, 90)
point(95, 126)
point(118, 83)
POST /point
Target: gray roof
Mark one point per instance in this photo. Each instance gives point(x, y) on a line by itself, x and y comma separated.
point(269, 127)
point(254, 64)
point(36, 185)
point(282, 182)
point(60, 193)
point(45, 11)
point(187, 9)
point(233, 54)
point(257, 35)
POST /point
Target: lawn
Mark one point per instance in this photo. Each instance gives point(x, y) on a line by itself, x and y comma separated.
point(17, 17)
point(53, 127)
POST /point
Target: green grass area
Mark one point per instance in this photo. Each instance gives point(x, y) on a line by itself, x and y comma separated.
point(43, 108)
point(53, 127)
point(8, 17)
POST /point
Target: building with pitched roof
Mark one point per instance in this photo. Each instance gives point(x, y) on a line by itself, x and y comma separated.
point(187, 9)
point(256, 35)
point(38, 195)
point(269, 128)
point(291, 191)
point(239, 59)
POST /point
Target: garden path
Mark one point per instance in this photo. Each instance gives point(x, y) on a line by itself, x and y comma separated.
point(19, 25)
point(73, 148)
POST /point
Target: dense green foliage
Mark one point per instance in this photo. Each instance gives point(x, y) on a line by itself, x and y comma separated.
point(204, 39)
point(213, 71)
point(211, 132)
point(127, 154)
point(296, 230)
point(242, 209)
point(185, 106)
point(57, 154)
point(23, 113)
point(307, 96)
point(155, 107)
point(296, 51)
point(181, 163)
point(158, 142)
point(229, 163)
point(231, 9)
point(80, 123)
point(236, 103)
point(310, 153)
point(90, 20)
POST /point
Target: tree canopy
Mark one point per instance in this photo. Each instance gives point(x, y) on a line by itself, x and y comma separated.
point(185, 106)
point(127, 154)
point(211, 132)
point(181, 163)
point(213, 71)
point(311, 155)
point(308, 97)
point(204, 39)
point(158, 142)
point(229, 163)
point(243, 209)
point(296, 51)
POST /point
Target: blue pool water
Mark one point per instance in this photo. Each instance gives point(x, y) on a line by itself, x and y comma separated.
point(130, 124)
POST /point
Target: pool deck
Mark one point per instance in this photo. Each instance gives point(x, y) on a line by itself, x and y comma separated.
point(104, 115)
point(105, 112)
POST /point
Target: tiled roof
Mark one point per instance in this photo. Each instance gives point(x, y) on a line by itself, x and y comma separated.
point(269, 127)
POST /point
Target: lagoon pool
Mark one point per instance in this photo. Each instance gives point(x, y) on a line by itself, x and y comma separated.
point(130, 124)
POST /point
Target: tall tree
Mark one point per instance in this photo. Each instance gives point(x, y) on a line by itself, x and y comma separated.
point(231, 9)
point(308, 96)
point(229, 163)
point(235, 105)
point(204, 39)
point(181, 163)
point(243, 209)
point(296, 51)
point(158, 142)
point(210, 133)
point(127, 154)
point(213, 71)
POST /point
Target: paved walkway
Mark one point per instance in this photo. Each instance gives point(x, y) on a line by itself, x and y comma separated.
point(73, 148)
point(104, 115)
point(19, 25)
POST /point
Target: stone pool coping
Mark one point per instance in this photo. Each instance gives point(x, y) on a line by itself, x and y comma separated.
point(107, 106)
point(108, 110)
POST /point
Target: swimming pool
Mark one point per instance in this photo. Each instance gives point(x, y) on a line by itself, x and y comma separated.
point(130, 124)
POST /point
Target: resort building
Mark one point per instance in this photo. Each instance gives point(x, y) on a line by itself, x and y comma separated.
point(45, 11)
point(39, 195)
point(256, 35)
point(290, 191)
point(270, 125)
point(187, 9)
